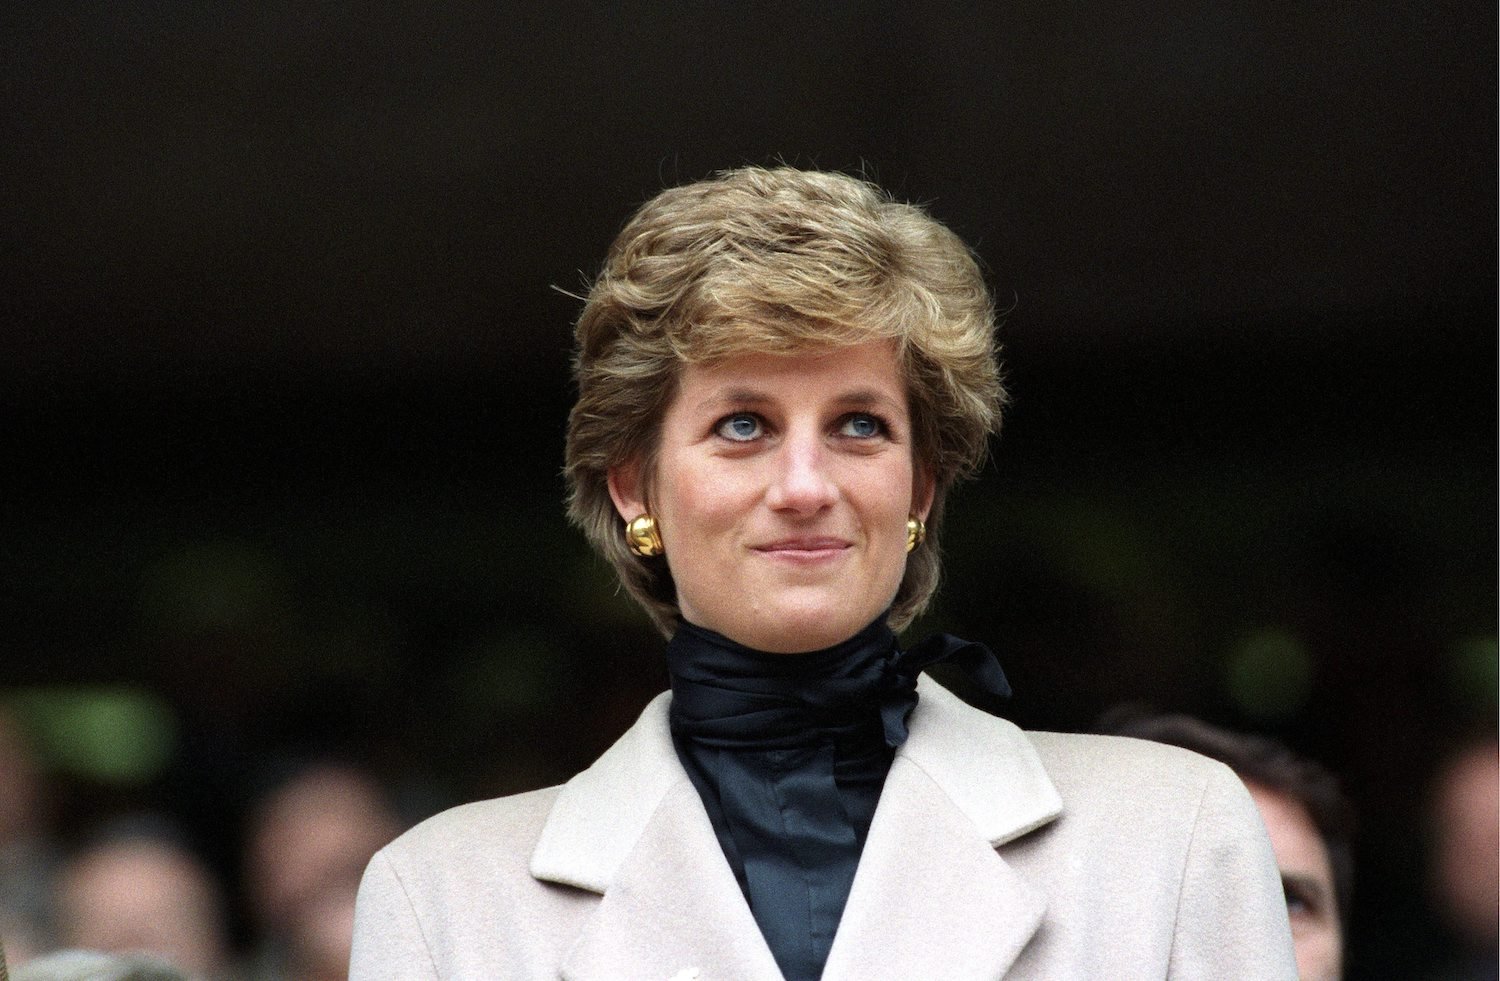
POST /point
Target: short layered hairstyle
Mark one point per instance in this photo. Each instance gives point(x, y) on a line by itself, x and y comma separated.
point(777, 261)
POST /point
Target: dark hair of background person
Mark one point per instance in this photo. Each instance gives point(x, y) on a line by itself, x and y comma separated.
point(1265, 761)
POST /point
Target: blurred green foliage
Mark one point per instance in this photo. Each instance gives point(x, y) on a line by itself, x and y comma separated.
point(113, 734)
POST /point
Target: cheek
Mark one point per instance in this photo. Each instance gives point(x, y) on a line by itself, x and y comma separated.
point(888, 520)
point(694, 509)
point(1319, 949)
point(894, 500)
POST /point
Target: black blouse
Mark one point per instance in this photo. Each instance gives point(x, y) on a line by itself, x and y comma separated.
point(789, 753)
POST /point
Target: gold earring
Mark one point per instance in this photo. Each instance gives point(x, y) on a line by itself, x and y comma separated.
point(916, 531)
point(642, 537)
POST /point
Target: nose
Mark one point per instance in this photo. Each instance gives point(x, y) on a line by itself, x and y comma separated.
point(802, 483)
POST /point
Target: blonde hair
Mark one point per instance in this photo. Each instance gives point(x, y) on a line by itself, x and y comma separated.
point(776, 261)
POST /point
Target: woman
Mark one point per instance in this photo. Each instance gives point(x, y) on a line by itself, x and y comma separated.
point(781, 373)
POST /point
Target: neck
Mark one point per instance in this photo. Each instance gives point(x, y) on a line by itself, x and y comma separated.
point(691, 638)
point(726, 691)
point(781, 639)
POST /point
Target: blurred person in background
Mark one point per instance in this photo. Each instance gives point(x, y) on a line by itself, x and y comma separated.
point(781, 374)
point(137, 888)
point(1464, 812)
point(1306, 814)
point(309, 840)
point(28, 855)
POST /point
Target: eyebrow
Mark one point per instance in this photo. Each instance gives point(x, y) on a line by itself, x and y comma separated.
point(751, 396)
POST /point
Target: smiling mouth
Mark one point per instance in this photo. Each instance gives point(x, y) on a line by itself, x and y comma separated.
point(805, 549)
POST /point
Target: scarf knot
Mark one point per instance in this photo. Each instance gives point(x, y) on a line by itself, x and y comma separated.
point(976, 660)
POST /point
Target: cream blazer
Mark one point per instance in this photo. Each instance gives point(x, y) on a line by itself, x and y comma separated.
point(994, 853)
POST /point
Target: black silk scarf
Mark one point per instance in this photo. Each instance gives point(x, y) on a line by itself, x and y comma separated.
point(789, 753)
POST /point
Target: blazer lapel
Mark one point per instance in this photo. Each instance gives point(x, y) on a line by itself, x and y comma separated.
point(932, 897)
point(674, 909)
point(632, 828)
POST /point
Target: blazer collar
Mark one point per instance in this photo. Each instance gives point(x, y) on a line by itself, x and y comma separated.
point(631, 828)
point(984, 765)
point(932, 897)
point(600, 814)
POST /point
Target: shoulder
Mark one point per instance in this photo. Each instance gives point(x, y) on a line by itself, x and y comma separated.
point(481, 848)
point(1135, 783)
point(459, 827)
point(509, 838)
point(986, 763)
point(1123, 762)
point(453, 897)
point(1159, 849)
point(1136, 846)
point(1159, 813)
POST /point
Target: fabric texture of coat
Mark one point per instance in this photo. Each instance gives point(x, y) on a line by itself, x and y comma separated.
point(994, 853)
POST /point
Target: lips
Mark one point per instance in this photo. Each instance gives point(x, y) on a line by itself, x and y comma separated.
point(809, 546)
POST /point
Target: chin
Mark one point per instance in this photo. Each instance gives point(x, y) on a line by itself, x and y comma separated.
point(802, 627)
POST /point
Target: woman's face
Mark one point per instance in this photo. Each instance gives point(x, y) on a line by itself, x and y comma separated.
point(782, 489)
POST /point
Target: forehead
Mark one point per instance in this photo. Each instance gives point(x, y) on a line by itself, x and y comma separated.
point(872, 366)
point(1294, 837)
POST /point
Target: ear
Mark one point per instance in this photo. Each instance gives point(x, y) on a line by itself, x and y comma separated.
point(627, 491)
point(923, 490)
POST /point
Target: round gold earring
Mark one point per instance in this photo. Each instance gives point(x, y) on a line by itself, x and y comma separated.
point(916, 531)
point(642, 537)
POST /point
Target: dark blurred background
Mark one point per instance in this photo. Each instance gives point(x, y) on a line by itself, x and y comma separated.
point(284, 333)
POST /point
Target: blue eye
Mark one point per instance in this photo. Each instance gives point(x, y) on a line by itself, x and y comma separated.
point(861, 425)
point(740, 427)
